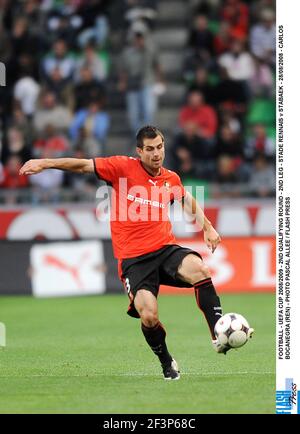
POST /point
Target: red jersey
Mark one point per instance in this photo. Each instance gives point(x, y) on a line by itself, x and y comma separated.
point(13, 180)
point(139, 208)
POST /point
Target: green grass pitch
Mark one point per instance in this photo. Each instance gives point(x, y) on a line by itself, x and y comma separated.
point(85, 355)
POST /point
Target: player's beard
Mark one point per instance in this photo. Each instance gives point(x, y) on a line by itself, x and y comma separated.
point(157, 163)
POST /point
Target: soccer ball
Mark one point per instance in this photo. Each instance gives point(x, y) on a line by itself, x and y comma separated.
point(233, 330)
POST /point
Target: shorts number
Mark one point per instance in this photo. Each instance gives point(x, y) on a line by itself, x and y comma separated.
point(127, 285)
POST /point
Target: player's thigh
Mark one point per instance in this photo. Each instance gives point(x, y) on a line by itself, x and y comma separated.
point(192, 269)
point(146, 303)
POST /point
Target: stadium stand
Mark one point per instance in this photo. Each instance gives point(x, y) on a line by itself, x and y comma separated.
point(65, 95)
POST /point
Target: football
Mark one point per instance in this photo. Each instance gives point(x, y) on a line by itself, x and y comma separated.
point(233, 330)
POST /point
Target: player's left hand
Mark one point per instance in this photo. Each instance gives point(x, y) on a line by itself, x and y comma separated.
point(212, 238)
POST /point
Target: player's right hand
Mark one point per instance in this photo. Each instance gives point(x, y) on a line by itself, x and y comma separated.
point(212, 238)
point(31, 167)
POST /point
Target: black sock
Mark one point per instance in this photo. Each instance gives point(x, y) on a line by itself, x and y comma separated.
point(156, 339)
point(208, 302)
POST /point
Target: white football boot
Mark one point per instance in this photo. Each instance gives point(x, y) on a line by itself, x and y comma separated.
point(220, 348)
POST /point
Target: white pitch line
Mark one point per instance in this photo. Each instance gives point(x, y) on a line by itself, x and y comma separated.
point(139, 374)
point(206, 374)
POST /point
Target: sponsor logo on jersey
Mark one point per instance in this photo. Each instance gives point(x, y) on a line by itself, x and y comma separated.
point(145, 201)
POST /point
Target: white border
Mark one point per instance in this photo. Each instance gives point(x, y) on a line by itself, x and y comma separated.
point(288, 13)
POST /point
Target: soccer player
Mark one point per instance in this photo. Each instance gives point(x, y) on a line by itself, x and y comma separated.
point(142, 237)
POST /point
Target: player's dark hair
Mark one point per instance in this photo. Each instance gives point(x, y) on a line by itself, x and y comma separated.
point(147, 132)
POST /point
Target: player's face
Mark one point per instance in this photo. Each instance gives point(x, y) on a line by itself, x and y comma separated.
point(153, 153)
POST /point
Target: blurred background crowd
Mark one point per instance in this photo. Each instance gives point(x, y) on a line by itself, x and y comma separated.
point(83, 75)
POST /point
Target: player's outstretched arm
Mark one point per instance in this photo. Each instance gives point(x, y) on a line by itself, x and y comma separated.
point(193, 209)
point(77, 165)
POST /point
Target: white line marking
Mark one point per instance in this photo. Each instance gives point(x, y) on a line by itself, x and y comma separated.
point(139, 374)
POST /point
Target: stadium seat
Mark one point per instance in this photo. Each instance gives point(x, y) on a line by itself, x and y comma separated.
point(271, 132)
point(261, 111)
point(214, 26)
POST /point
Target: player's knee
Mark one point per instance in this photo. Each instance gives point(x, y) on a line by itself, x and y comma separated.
point(201, 273)
point(205, 270)
point(149, 317)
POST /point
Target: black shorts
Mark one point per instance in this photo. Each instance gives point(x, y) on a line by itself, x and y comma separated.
point(153, 269)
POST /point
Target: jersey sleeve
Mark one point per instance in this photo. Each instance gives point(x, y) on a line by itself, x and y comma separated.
point(179, 191)
point(110, 169)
